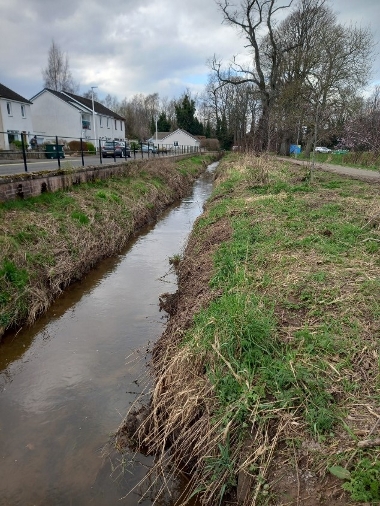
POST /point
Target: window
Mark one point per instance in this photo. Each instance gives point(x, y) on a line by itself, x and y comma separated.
point(121, 125)
point(108, 122)
point(100, 121)
point(23, 114)
point(115, 124)
point(9, 109)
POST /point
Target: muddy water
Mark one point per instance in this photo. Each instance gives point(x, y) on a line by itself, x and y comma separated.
point(66, 383)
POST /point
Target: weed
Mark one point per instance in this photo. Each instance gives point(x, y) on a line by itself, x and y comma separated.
point(364, 482)
point(80, 217)
point(175, 261)
point(13, 275)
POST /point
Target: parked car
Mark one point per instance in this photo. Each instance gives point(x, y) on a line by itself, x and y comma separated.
point(115, 148)
point(126, 149)
point(321, 149)
point(146, 148)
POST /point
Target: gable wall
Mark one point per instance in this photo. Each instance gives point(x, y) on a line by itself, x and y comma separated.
point(52, 116)
point(180, 137)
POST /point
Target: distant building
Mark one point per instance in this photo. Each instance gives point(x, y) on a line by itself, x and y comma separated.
point(178, 138)
point(15, 118)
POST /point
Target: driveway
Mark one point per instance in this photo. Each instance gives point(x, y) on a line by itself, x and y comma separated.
point(362, 174)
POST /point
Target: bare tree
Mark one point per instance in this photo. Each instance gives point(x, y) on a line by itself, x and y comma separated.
point(362, 131)
point(57, 75)
point(304, 69)
point(138, 113)
point(111, 102)
point(256, 20)
point(91, 93)
point(320, 77)
point(237, 104)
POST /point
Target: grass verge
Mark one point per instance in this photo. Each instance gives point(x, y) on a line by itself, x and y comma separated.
point(267, 376)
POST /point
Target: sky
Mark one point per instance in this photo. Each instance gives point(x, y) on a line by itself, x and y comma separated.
point(126, 47)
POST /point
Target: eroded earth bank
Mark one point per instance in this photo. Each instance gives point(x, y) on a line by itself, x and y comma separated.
point(266, 380)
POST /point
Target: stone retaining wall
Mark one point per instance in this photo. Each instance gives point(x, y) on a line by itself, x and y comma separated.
point(33, 184)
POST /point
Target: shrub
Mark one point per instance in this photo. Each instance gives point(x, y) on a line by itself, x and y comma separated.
point(17, 144)
point(91, 148)
point(87, 146)
point(134, 146)
point(210, 144)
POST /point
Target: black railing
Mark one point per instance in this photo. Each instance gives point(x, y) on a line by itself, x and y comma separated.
point(56, 147)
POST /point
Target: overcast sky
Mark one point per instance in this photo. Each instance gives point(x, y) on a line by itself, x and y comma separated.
point(132, 46)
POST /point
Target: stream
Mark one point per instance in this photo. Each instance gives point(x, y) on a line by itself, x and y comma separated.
point(66, 383)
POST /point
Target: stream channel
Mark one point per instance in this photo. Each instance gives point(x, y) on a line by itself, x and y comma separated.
point(66, 382)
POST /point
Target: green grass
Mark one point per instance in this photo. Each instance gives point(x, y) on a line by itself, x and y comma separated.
point(299, 254)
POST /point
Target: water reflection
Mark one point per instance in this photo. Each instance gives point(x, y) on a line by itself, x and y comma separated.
point(65, 385)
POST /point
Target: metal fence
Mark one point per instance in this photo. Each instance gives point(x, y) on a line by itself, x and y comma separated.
point(88, 151)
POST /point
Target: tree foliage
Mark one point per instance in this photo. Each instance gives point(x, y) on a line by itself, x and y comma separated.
point(163, 124)
point(185, 114)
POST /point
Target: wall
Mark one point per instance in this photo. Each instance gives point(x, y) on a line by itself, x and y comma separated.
point(52, 116)
point(15, 121)
point(181, 137)
point(32, 185)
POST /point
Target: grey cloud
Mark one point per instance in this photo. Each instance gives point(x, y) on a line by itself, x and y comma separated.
point(127, 47)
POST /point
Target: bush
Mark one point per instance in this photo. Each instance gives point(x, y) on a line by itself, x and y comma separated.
point(91, 148)
point(210, 144)
point(87, 146)
point(134, 146)
point(17, 144)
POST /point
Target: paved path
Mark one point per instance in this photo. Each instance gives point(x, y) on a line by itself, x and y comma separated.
point(362, 174)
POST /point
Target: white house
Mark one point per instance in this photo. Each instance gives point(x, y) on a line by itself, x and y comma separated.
point(15, 118)
point(179, 138)
point(71, 117)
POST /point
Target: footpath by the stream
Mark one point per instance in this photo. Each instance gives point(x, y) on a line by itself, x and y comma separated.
point(353, 172)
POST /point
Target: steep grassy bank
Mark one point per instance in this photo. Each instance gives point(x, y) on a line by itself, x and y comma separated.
point(267, 376)
point(49, 241)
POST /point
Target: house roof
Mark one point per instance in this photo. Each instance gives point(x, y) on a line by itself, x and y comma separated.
point(82, 103)
point(180, 130)
point(8, 94)
point(160, 135)
point(98, 107)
